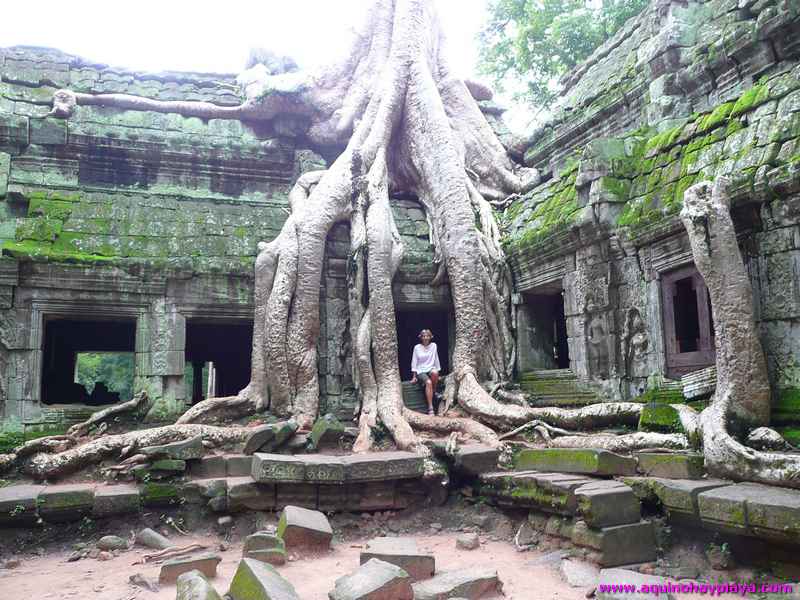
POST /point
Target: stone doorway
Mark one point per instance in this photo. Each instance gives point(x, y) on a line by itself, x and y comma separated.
point(409, 324)
point(543, 331)
point(105, 350)
point(222, 348)
point(688, 326)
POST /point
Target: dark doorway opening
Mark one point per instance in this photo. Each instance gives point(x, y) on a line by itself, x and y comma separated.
point(226, 345)
point(79, 350)
point(409, 324)
point(549, 322)
point(688, 326)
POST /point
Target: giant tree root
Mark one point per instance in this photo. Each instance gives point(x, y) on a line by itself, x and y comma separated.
point(79, 429)
point(628, 442)
point(54, 466)
point(742, 393)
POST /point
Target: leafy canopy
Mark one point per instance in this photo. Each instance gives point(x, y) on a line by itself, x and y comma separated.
point(537, 41)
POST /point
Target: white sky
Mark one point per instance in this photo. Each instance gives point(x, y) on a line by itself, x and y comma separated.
point(213, 37)
point(151, 35)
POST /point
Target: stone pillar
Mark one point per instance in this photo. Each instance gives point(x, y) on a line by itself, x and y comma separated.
point(197, 381)
point(160, 360)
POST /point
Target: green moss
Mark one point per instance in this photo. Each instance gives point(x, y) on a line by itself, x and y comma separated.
point(661, 396)
point(11, 440)
point(786, 410)
point(716, 117)
point(659, 418)
point(159, 494)
point(750, 99)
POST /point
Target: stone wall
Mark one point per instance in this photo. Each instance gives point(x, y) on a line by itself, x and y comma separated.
point(155, 217)
point(690, 91)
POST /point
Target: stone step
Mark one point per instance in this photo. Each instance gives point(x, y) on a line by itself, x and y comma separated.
point(547, 374)
point(669, 465)
point(322, 468)
point(567, 400)
point(588, 461)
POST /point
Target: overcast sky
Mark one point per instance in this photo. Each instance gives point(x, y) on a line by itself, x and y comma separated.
point(177, 35)
point(192, 36)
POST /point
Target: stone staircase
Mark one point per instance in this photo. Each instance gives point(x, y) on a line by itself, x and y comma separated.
point(414, 397)
point(556, 387)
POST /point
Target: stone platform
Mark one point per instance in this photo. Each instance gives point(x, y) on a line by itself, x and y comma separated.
point(370, 482)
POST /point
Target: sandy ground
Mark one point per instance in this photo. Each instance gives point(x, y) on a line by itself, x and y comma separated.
point(50, 577)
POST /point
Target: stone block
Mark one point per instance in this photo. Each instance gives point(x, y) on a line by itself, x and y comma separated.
point(238, 465)
point(576, 460)
point(200, 491)
point(474, 459)
point(303, 528)
point(152, 539)
point(265, 547)
point(607, 503)
point(174, 568)
point(374, 580)
point(679, 496)
point(255, 580)
point(160, 494)
point(331, 498)
point(371, 495)
point(579, 573)
point(18, 504)
point(270, 436)
point(320, 468)
point(182, 450)
point(382, 466)
point(169, 465)
point(618, 545)
point(275, 468)
point(64, 503)
point(194, 586)
point(115, 500)
point(670, 466)
point(48, 131)
point(244, 493)
point(402, 552)
point(297, 494)
point(472, 583)
point(209, 466)
point(621, 584)
point(752, 509)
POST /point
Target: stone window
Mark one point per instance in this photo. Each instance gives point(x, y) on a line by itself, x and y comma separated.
point(226, 345)
point(688, 326)
point(77, 350)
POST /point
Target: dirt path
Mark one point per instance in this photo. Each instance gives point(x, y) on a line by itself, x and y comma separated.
point(50, 577)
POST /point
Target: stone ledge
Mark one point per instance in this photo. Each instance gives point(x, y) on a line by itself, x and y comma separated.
point(321, 468)
point(754, 510)
point(576, 460)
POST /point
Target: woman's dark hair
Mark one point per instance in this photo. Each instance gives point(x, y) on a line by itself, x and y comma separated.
point(423, 331)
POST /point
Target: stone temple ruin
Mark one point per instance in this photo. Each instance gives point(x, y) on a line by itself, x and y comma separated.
point(136, 232)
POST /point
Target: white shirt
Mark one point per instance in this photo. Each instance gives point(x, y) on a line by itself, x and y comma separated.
point(425, 360)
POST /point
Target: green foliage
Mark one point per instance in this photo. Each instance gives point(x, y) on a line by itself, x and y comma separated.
point(11, 440)
point(115, 369)
point(537, 41)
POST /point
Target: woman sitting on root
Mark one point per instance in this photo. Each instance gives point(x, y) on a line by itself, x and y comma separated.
point(425, 366)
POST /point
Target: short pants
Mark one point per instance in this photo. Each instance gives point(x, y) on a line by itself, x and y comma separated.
point(423, 378)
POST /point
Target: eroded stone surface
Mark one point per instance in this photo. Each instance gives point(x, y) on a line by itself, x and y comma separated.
point(18, 504)
point(194, 586)
point(469, 583)
point(265, 547)
point(303, 528)
point(63, 503)
point(182, 450)
point(402, 552)
point(607, 503)
point(576, 460)
point(374, 580)
point(256, 580)
point(173, 568)
point(112, 500)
